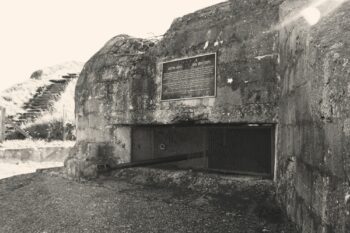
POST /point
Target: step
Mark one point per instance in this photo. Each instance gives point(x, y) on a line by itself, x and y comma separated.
point(44, 102)
point(18, 122)
point(69, 77)
point(53, 86)
point(25, 118)
point(58, 80)
point(27, 115)
point(42, 97)
point(40, 101)
point(35, 110)
point(37, 103)
point(56, 85)
point(46, 95)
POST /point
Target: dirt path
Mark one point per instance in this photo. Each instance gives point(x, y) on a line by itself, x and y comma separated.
point(44, 203)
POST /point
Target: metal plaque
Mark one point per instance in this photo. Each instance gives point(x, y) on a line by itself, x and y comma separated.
point(193, 77)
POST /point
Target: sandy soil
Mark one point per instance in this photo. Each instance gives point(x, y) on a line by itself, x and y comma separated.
point(50, 203)
point(8, 169)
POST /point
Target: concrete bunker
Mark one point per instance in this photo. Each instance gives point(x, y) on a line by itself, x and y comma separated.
point(288, 82)
point(206, 71)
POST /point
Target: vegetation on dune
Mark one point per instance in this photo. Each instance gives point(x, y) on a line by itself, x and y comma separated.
point(58, 118)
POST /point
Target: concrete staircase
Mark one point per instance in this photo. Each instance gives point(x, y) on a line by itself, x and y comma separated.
point(41, 102)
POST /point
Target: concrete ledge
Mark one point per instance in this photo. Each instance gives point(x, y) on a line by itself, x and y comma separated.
point(40, 154)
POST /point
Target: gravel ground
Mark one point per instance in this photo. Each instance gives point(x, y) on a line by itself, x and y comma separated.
point(50, 203)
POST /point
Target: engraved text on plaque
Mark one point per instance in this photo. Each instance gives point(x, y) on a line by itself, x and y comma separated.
point(189, 78)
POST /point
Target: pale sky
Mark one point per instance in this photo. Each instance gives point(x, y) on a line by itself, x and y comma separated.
point(40, 33)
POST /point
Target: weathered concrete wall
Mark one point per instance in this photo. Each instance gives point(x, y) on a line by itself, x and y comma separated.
point(247, 55)
point(314, 139)
point(121, 84)
point(103, 95)
point(41, 154)
point(2, 123)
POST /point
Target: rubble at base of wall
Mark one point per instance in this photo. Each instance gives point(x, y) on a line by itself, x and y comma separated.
point(198, 181)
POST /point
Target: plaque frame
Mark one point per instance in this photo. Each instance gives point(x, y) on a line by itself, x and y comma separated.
point(185, 58)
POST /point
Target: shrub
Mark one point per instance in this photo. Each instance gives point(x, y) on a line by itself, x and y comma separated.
point(52, 131)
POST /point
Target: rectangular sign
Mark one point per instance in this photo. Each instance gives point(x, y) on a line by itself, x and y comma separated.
point(193, 77)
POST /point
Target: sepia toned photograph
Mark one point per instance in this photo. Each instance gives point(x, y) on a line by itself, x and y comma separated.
point(179, 116)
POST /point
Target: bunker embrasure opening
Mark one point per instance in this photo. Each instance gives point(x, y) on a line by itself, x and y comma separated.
point(224, 148)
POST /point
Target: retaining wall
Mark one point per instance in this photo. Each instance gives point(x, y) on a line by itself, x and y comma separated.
point(43, 154)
